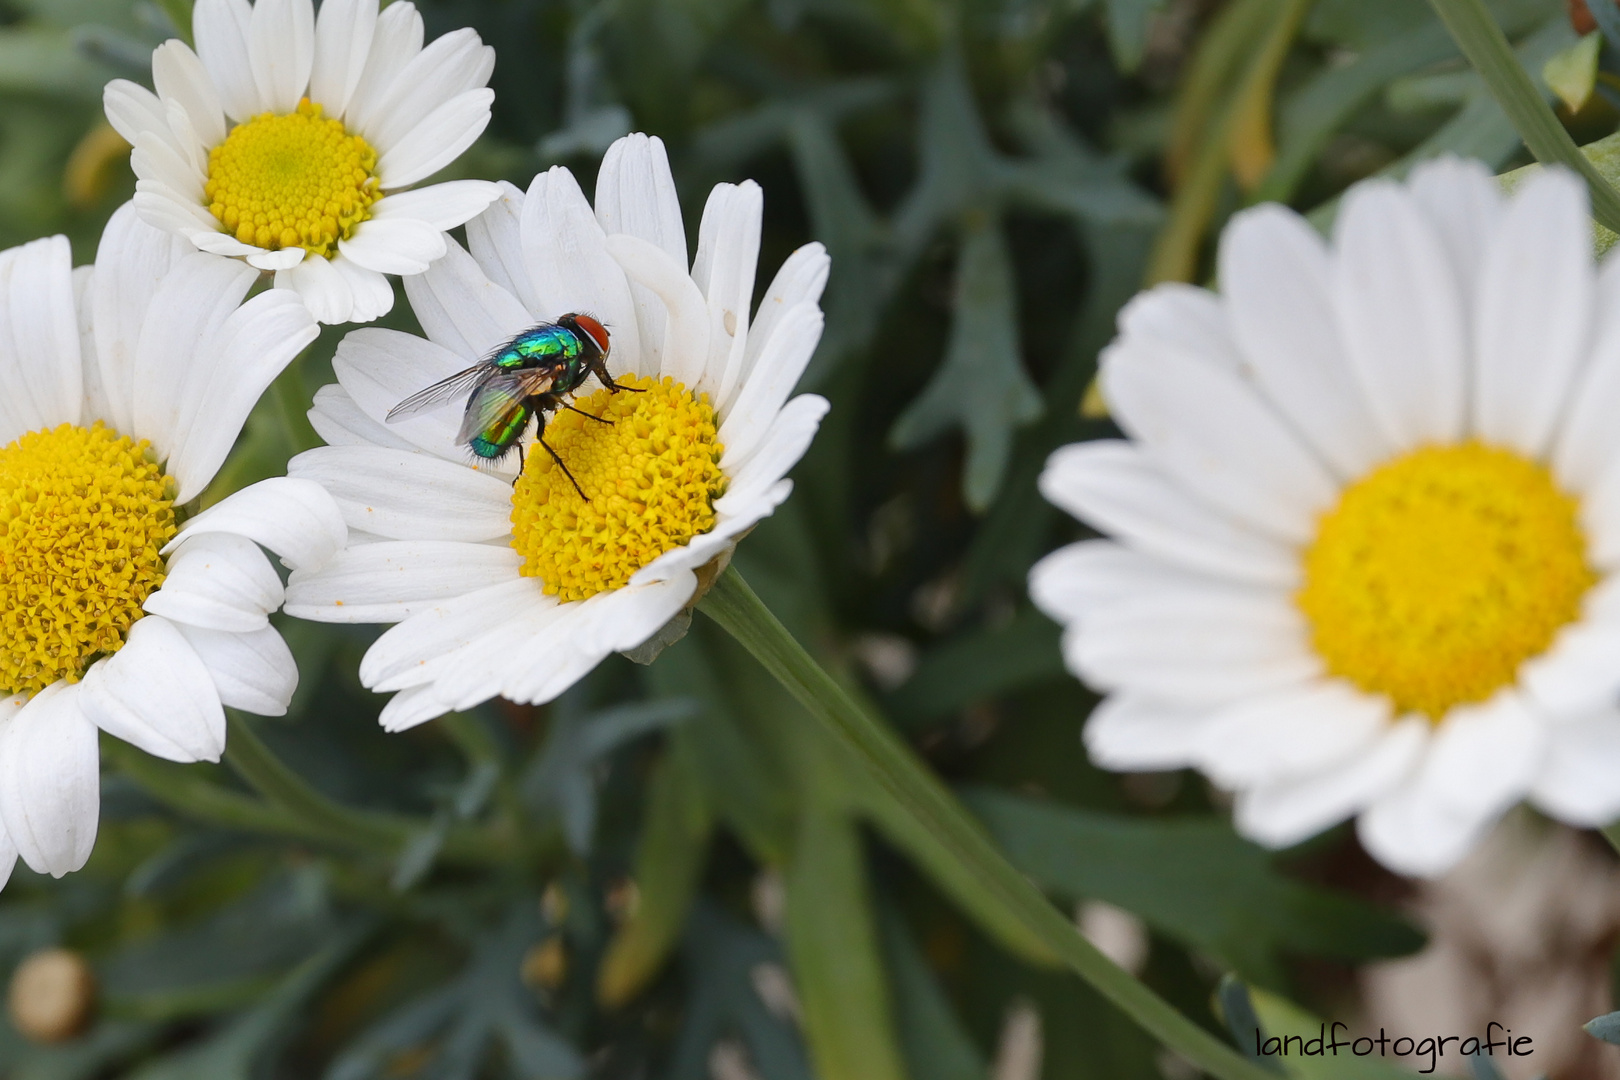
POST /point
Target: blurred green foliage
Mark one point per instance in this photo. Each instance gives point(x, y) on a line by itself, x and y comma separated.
point(626, 884)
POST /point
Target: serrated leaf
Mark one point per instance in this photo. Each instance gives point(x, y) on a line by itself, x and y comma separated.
point(982, 386)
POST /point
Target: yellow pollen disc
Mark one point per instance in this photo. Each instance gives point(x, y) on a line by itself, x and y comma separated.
point(1440, 572)
point(298, 180)
point(650, 480)
point(83, 514)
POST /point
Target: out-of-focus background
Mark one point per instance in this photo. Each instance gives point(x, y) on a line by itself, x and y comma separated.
point(664, 875)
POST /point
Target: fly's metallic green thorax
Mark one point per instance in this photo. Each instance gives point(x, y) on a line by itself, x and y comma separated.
point(549, 345)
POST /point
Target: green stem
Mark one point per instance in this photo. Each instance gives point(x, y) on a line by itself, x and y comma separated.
point(294, 407)
point(1487, 48)
point(733, 605)
point(325, 819)
point(265, 773)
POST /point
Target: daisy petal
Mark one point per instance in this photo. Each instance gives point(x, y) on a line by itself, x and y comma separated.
point(50, 781)
point(156, 693)
point(1283, 813)
point(254, 344)
point(322, 288)
point(294, 518)
point(253, 671)
point(1534, 312)
point(786, 442)
point(495, 239)
point(685, 348)
point(394, 245)
point(1481, 761)
point(1214, 435)
point(461, 309)
point(443, 206)
point(218, 581)
point(728, 252)
point(571, 269)
point(380, 368)
point(1463, 201)
point(281, 50)
point(769, 383)
point(1183, 318)
point(437, 140)
point(40, 362)
point(1129, 733)
point(635, 195)
point(395, 41)
point(412, 707)
point(132, 259)
point(450, 65)
point(408, 496)
point(1115, 487)
point(220, 28)
point(340, 422)
point(1401, 314)
point(1576, 783)
point(1589, 441)
point(373, 295)
point(343, 34)
point(392, 580)
point(1274, 275)
point(1303, 729)
point(196, 297)
point(800, 280)
point(133, 110)
point(178, 75)
point(275, 261)
point(1201, 646)
point(416, 648)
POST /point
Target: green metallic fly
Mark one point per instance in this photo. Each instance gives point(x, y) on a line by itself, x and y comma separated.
point(523, 379)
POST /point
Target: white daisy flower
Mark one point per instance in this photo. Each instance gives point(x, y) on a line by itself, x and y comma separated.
point(519, 589)
point(1367, 526)
point(288, 141)
point(122, 388)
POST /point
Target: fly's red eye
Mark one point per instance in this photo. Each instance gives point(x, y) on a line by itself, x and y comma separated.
point(597, 331)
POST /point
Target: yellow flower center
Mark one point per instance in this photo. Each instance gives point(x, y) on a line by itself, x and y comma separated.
point(298, 180)
point(1440, 572)
point(650, 479)
point(83, 515)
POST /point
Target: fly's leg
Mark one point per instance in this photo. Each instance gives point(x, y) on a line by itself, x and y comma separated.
point(601, 372)
point(582, 412)
point(541, 440)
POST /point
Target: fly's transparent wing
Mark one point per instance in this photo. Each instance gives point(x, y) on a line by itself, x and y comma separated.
point(499, 398)
point(442, 392)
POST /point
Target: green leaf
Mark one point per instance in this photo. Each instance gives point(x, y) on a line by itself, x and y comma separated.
point(978, 665)
point(982, 386)
point(936, 1045)
point(1571, 74)
point(721, 957)
point(831, 940)
point(1193, 880)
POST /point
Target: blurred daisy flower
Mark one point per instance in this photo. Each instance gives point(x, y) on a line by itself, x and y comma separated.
point(1365, 528)
point(122, 388)
point(287, 140)
point(515, 585)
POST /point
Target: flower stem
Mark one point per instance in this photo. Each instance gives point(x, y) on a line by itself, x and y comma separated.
point(741, 613)
point(1488, 50)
